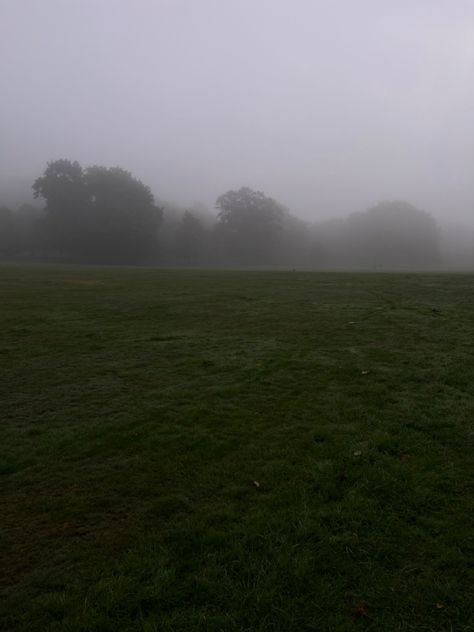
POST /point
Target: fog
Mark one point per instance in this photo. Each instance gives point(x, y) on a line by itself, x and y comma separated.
point(327, 106)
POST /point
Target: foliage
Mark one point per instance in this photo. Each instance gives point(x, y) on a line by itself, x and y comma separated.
point(390, 235)
point(190, 238)
point(63, 188)
point(8, 232)
point(98, 214)
point(248, 223)
point(394, 234)
point(101, 214)
point(30, 226)
point(123, 217)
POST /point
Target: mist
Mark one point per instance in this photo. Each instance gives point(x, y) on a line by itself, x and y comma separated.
point(327, 107)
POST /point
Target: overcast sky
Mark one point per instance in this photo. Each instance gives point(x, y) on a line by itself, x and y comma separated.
point(327, 105)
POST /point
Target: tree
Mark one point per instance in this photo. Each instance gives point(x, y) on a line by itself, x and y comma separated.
point(8, 233)
point(392, 234)
point(123, 219)
point(248, 224)
point(63, 188)
point(98, 214)
point(29, 221)
point(189, 239)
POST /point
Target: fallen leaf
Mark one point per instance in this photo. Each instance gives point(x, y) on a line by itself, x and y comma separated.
point(364, 372)
point(440, 606)
point(256, 483)
point(360, 611)
point(358, 453)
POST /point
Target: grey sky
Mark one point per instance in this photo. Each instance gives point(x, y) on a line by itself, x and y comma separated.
point(328, 106)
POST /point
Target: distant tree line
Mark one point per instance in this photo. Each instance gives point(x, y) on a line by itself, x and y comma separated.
point(106, 215)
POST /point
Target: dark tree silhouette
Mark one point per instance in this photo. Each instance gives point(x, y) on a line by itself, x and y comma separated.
point(189, 239)
point(29, 222)
point(8, 233)
point(248, 224)
point(63, 188)
point(98, 214)
point(123, 219)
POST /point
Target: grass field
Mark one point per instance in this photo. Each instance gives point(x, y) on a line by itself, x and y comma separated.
point(235, 451)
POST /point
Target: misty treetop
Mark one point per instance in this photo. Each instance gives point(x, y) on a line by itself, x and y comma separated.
point(103, 214)
point(248, 223)
point(245, 208)
point(98, 213)
point(190, 239)
point(388, 235)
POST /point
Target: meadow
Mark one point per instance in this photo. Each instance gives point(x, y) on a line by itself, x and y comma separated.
point(235, 451)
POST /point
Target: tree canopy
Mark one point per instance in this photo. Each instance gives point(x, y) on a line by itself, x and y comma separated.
point(8, 232)
point(98, 213)
point(103, 214)
point(392, 234)
point(189, 239)
point(248, 222)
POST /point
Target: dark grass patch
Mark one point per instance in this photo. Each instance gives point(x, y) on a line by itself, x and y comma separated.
point(243, 451)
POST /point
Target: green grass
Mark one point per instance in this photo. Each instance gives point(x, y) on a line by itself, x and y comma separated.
point(139, 407)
